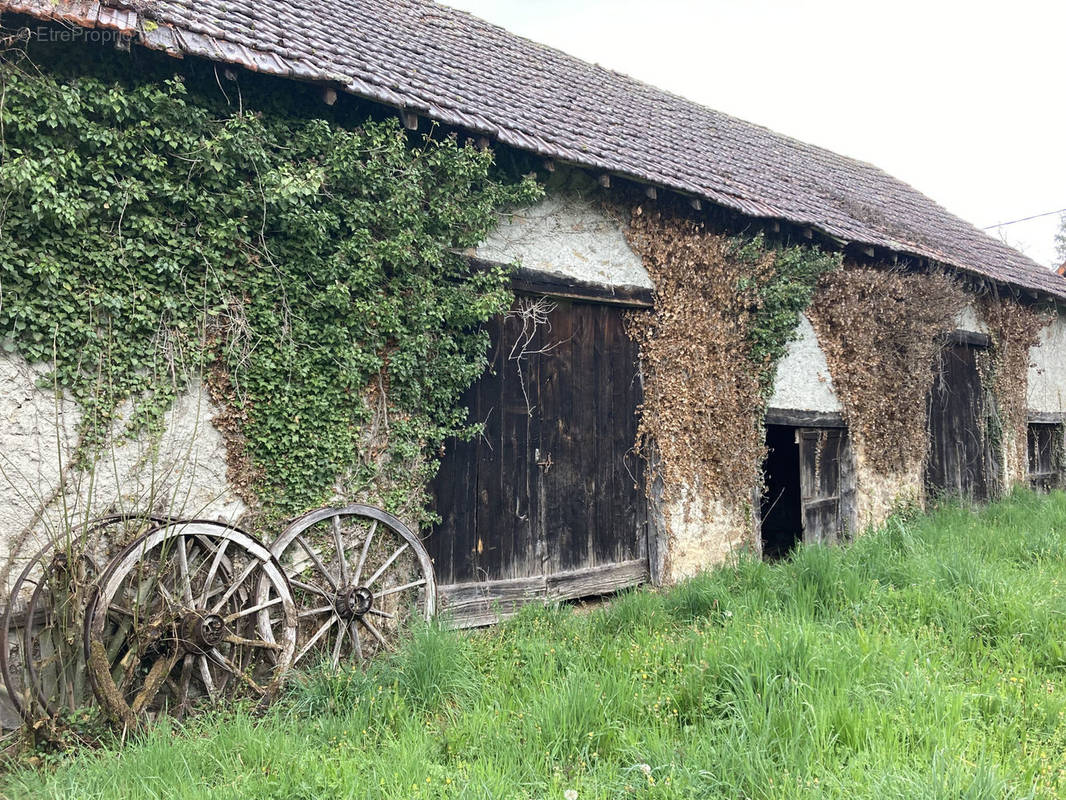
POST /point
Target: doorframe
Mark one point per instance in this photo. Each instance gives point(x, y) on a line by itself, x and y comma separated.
point(798, 419)
point(486, 602)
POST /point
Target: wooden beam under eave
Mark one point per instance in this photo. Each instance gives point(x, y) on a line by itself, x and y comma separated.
point(409, 119)
point(652, 193)
point(605, 181)
point(329, 95)
point(696, 204)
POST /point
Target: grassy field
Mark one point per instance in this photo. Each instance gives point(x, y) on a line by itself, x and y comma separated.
point(928, 660)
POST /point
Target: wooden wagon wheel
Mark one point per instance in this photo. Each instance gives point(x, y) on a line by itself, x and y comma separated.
point(360, 578)
point(41, 657)
point(192, 613)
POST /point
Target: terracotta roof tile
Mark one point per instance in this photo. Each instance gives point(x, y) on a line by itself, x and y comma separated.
point(456, 68)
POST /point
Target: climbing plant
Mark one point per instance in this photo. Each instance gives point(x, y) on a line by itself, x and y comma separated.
point(1014, 329)
point(154, 228)
point(726, 308)
point(882, 331)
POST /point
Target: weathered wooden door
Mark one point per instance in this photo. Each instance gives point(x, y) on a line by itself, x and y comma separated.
point(827, 486)
point(549, 503)
point(959, 457)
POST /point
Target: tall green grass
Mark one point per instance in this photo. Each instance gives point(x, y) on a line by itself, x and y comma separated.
point(926, 660)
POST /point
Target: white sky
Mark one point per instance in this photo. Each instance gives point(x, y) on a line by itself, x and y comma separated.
point(962, 99)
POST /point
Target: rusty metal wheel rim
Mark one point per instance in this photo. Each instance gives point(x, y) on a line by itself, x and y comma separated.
point(342, 589)
point(176, 623)
point(31, 700)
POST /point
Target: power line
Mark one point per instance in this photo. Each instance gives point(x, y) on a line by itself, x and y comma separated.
point(1023, 219)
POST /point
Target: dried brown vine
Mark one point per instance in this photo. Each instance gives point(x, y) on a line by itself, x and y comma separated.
point(701, 390)
point(881, 331)
point(1014, 329)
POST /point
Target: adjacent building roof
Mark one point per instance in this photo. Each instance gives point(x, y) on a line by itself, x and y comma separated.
point(450, 66)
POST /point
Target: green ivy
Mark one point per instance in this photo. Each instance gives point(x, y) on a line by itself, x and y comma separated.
point(150, 232)
point(785, 292)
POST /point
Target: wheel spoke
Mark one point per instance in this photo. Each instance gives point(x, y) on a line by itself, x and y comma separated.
point(215, 562)
point(353, 629)
point(182, 695)
point(309, 588)
point(317, 561)
point(337, 645)
point(314, 612)
point(205, 676)
point(183, 571)
point(335, 524)
point(233, 638)
point(232, 668)
point(318, 635)
point(387, 564)
point(376, 633)
point(366, 549)
point(234, 586)
point(238, 614)
point(380, 613)
point(395, 589)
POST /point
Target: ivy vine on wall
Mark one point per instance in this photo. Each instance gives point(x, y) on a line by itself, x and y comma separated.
point(150, 233)
point(725, 310)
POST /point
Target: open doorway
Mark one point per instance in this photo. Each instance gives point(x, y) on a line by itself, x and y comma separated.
point(809, 484)
point(782, 514)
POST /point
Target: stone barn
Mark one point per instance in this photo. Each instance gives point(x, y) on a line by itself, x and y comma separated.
point(721, 339)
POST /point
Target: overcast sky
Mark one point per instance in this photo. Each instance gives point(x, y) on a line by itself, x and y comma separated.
point(963, 100)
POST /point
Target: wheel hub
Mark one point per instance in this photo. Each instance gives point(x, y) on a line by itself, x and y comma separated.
point(354, 601)
point(202, 632)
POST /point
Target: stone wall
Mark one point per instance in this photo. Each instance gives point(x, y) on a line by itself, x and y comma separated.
point(182, 472)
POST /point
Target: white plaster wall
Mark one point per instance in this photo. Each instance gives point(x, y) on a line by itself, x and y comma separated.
point(567, 234)
point(968, 320)
point(182, 472)
point(803, 381)
point(1047, 369)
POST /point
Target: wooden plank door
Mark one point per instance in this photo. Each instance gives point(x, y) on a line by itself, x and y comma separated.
point(959, 457)
point(593, 511)
point(548, 503)
point(827, 487)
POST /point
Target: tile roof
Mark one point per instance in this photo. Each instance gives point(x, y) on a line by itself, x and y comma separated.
point(450, 66)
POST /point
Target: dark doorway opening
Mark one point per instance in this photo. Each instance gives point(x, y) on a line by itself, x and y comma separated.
point(782, 513)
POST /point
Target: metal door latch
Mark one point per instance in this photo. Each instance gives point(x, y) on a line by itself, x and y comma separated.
point(545, 463)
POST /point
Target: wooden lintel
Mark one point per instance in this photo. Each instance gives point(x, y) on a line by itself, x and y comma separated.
point(971, 338)
point(1047, 417)
point(800, 418)
point(329, 95)
point(651, 192)
point(409, 119)
point(529, 281)
point(605, 181)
